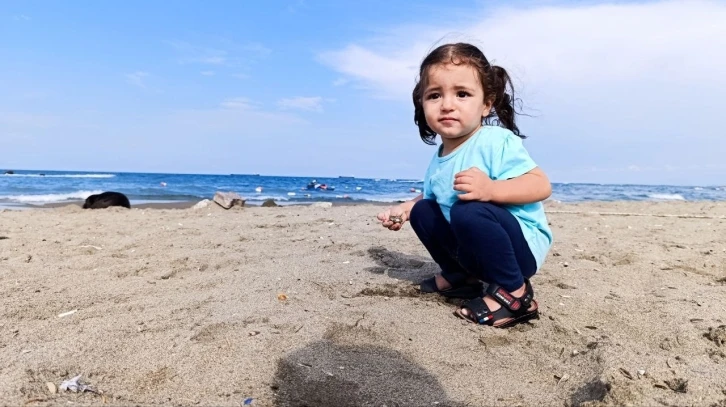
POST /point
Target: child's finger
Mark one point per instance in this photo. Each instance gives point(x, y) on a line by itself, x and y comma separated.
point(463, 180)
point(463, 187)
point(462, 173)
point(467, 197)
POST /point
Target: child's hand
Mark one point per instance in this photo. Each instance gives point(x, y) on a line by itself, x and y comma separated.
point(476, 185)
point(393, 218)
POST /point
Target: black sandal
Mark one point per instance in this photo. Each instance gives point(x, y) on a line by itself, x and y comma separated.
point(517, 310)
point(465, 290)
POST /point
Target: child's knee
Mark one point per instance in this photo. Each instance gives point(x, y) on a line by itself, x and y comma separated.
point(464, 213)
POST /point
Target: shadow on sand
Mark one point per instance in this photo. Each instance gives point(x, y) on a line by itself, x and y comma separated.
point(326, 374)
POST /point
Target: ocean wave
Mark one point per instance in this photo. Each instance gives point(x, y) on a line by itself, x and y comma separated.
point(667, 197)
point(61, 175)
point(263, 198)
point(49, 198)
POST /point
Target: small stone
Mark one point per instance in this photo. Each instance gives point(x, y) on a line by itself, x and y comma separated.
point(52, 388)
point(228, 199)
point(678, 385)
point(202, 204)
point(321, 205)
point(395, 219)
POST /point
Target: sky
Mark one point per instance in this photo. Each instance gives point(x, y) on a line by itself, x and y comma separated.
point(612, 92)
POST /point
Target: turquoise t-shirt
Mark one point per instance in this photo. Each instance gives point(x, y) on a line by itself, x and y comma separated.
point(500, 154)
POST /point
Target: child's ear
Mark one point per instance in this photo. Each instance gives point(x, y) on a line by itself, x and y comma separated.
point(488, 104)
point(487, 109)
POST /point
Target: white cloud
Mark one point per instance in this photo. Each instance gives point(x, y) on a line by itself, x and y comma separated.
point(577, 45)
point(227, 53)
point(23, 120)
point(21, 17)
point(207, 73)
point(340, 82)
point(608, 85)
point(388, 75)
point(295, 6)
point(192, 54)
point(256, 48)
point(137, 79)
point(312, 104)
point(237, 103)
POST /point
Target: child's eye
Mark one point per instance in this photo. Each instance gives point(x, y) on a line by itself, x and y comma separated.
point(433, 96)
point(462, 94)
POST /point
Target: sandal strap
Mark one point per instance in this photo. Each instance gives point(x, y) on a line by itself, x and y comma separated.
point(514, 304)
point(479, 311)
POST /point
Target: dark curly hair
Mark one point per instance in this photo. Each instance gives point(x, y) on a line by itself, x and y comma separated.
point(495, 82)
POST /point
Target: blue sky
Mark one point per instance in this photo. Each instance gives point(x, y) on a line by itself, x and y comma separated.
point(619, 92)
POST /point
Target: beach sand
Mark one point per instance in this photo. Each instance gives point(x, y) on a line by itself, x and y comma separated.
point(296, 306)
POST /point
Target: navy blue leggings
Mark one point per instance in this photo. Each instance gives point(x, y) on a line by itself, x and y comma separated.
point(482, 240)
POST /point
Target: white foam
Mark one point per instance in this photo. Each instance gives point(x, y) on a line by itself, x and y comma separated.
point(266, 197)
point(61, 175)
point(73, 196)
point(667, 197)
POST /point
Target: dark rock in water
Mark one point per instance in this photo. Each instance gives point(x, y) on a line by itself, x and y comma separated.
point(106, 199)
point(269, 203)
point(9, 172)
point(228, 199)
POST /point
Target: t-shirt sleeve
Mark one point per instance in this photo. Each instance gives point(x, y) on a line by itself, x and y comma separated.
point(511, 159)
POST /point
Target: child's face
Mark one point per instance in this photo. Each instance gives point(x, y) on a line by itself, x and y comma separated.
point(454, 102)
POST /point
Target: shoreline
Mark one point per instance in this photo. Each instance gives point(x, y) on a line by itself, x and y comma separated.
point(550, 203)
point(180, 204)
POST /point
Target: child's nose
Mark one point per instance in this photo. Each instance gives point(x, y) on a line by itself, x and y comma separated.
point(447, 103)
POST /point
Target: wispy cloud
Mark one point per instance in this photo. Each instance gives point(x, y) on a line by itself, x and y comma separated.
point(192, 54)
point(311, 104)
point(207, 73)
point(340, 82)
point(255, 48)
point(137, 79)
point(237, 103)
point(21, 17)
point(240, 76)
point(227, 53)
point(295, 6)
point(237, 117)
point(23, 120)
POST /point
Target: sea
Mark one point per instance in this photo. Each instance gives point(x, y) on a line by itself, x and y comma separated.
point(34, 188)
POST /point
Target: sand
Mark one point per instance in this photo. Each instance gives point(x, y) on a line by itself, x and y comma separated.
point(296, 306)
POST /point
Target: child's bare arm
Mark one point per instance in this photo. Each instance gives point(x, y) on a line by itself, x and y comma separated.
point(533, 186)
